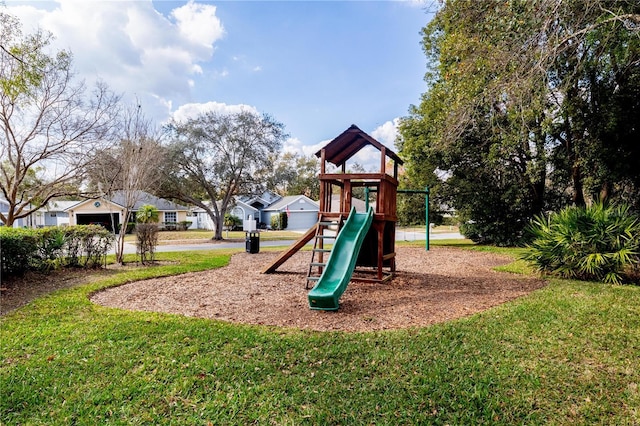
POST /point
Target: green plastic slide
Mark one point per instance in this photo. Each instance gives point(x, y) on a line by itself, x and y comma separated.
point(341, 263)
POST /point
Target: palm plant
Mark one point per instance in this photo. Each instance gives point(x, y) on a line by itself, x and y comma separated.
point(147, 214)
point(598, 242)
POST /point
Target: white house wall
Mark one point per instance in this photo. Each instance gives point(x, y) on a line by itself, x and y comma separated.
point(204, 221)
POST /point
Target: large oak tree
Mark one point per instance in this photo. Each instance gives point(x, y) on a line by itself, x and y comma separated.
point(531, 105)
point(214, 156)
point(294, 174)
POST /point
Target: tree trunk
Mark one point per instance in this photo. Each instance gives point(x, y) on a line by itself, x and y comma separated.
point(573, 158)
point(539, 185)
point(538, 191)
point(605, 191)
point(219, 222)
point(121, 235)
point(10, 218)
point(578, 191)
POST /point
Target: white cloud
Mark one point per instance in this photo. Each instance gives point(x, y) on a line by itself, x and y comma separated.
point(187, 111)
point(293, 145)
point(368, 157)
point(296, 146)
point(135, 49)
point(387, 133)
point(199, 23)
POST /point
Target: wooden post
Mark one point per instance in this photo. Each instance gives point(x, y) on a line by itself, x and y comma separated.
point(323, 207)
point(381, 205)
point(346, 190)
point(380, 231)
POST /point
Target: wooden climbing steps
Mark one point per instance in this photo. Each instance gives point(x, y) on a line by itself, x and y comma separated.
point(327, 228)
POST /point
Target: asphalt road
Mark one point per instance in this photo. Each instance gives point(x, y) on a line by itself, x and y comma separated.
point(400, 236)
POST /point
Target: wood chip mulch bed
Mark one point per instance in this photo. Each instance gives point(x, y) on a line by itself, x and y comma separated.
point(429, 287)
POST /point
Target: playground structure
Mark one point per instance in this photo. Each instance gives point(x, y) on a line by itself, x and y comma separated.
point(371, 245)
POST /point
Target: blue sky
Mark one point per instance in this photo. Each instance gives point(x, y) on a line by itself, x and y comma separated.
point(317, 67)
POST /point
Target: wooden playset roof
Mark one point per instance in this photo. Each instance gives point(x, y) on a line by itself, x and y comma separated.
point(348, 143)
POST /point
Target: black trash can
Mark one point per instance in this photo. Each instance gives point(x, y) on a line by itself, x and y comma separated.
point(253, 242)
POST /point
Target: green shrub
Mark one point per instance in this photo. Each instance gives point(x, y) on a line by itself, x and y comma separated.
point(86, 245)
point(279, 221)
point(169, 226)
point(232, 222)
point(50, 252)
point(275, 222)
point(50, 248)
point(146, 241)
point(503, 231)
point(600, 243)
point(17, 249)
point(148, 214)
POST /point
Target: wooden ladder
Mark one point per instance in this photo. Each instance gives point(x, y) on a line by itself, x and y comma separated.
point(316, 266)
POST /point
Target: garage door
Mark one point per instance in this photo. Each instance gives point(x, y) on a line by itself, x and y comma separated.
point(301, 221)
point(103, 219)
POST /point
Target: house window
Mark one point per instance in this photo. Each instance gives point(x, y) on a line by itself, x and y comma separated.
point(170, 217)
point(53, 214)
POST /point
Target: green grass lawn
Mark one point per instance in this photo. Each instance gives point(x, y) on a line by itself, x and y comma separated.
point(565, 354)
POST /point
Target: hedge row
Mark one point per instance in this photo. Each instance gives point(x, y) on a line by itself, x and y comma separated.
point(51, 248)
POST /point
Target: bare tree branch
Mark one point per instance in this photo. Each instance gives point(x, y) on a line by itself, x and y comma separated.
point(50, 129)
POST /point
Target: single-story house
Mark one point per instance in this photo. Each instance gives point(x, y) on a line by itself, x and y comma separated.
point(251, 206)
point(303, 211)
point(34, 220)
point(55, 213)
point(203, 220)
point(107, 212)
